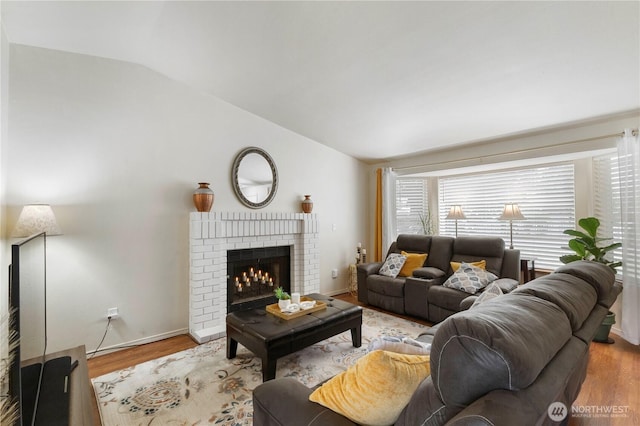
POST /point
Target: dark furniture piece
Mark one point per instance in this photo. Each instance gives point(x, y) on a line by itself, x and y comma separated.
point(422, 295)
point(502, 362)
point(81, 403)
point(271, 337)
point(528, 273)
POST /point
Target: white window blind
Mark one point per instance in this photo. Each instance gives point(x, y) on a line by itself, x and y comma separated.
point(545, 195)
point(411, 202)
point(606, 200)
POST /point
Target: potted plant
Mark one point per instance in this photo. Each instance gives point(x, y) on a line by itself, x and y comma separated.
point(587, 246)
point(284, 299)
point(426, 223)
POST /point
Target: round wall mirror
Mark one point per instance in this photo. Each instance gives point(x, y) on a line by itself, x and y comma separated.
point(254, 177)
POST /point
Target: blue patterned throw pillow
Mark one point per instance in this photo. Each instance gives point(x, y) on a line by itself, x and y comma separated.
point(392, 265)
point(470, 279)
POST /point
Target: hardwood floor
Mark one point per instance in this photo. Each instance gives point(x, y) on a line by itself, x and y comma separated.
point(612, 383)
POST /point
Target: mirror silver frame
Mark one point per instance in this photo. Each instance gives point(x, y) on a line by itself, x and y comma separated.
point(236, 184)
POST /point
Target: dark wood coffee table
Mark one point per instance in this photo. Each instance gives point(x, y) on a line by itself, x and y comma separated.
point(270, 337)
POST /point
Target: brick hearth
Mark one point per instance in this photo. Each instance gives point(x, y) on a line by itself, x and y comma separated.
point(212, 234)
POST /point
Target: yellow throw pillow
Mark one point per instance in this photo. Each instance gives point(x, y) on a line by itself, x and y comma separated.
point(376, 389)
point(413, 262)
point(482, 264)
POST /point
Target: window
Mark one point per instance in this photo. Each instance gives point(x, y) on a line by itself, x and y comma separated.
point(546, 197)
point(606, 200)
point(411, 203)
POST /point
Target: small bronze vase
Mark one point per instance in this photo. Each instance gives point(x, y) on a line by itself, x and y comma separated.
point(203, 197)
point(307, 204)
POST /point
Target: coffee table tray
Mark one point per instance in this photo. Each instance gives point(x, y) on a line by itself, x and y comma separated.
point(275, 309)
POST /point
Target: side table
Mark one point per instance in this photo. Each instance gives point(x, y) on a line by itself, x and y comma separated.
point(528, 274)
point(353, 280)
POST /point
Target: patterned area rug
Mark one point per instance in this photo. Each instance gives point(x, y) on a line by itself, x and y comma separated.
point(201, 386)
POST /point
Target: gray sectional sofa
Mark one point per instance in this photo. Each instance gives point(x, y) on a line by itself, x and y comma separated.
point(502, 362)
point(422, 295)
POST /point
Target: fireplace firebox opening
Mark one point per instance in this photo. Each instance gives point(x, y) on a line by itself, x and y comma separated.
point(253, 275)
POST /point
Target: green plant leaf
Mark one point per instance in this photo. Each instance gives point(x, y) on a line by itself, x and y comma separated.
point(568, 258)
point(590, 224)
point(575, 233)
point(578, 246)
point(611, 247)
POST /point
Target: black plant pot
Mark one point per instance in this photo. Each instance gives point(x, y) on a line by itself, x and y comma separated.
point(602, 336)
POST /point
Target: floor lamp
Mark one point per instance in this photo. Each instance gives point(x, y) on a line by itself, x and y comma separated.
point(511, 212)
point(456, 213)
point(36, 218)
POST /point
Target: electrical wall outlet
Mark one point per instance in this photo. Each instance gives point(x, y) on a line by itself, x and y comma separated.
point(334, 273)
point(112, 313)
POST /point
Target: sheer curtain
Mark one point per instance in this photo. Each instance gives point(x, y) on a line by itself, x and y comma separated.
point(629, 163)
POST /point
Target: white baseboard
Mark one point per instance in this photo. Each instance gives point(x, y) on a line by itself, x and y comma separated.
point(336, 292)
point(150, 339)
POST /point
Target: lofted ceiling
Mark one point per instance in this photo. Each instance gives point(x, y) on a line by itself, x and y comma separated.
point(374, 80)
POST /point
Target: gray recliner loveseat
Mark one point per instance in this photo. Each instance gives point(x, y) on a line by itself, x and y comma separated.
point(422, 294)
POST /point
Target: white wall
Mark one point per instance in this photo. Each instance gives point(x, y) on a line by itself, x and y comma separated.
point(117, 150)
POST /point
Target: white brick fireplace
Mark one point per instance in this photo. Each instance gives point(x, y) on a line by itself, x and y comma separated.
point(212, 234)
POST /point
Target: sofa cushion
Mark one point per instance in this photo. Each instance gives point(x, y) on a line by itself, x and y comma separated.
point(482, 264)
point(472, 248)
point(414, 243)
point(445, 297)
point(501, 345)
point(601, 279)
point(386, 286)
point(401, 345)
point(573, 295)
point(491, 292)
point(469, 278)
point(393, 265)
point(440, 252)
point(413, 261)
point(375, 390)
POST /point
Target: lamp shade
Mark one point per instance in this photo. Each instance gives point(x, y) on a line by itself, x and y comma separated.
point(36, 218)
point(511, 212)
point(456, 213)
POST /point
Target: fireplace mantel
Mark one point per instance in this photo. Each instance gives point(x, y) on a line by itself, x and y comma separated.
point(212, 234)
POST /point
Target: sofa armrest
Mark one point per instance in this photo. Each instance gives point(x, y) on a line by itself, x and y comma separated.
point(430, 273)
point(511, 264)
point(499, 407)
point(467, 302)
point(286, 402)
point(364, 270)
point(507, 285)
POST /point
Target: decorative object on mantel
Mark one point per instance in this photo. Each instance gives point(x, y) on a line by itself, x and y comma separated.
point(203, 197)
point(307, 204)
